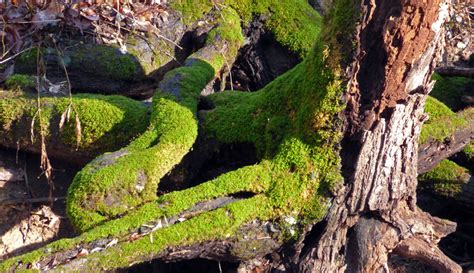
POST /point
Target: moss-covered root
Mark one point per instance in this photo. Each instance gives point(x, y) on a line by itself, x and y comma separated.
point(269, 197)
point(252, 179)
point(107, 122)
point(115, 183)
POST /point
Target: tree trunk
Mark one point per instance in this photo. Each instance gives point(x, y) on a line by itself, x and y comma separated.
point(375, 212)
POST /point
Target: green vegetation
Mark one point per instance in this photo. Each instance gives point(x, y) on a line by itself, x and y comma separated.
point(89, 59)
point(469, 150)
point(450, 89)
point(115, 183)
point(446, 179)
point(293, 22)
point(19, 81)
point(107, 122)
point(443, 122)
point(293, 122)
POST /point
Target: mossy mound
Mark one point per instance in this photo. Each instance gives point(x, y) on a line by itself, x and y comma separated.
point(446, 179)
point(107, 122)
point(21, 82)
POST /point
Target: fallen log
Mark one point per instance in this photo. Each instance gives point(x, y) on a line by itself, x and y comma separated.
point(456, 71)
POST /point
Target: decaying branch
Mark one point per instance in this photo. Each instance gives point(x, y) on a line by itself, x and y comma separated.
point(433, 152)
point(455, 71)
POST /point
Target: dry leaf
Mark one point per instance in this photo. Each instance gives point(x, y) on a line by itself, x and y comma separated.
point(78, 130)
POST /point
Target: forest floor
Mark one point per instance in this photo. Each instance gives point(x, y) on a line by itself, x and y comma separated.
point(30, 218)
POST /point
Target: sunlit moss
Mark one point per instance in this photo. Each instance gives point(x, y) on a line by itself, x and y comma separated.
point(293, 22)
point(443, 122)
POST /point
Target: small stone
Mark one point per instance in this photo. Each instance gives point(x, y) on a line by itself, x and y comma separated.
point(290, 220)
point(461, 45)
point(458, 19)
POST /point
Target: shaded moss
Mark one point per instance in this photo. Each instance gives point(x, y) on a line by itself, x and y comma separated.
point(469, 150)
point(450, 89)
point(20, 81)
point(446, 179)
point(108, 61)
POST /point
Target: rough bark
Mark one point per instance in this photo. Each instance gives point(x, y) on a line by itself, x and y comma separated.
point(388, 84)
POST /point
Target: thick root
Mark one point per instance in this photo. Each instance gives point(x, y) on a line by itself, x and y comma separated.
point(115, 183)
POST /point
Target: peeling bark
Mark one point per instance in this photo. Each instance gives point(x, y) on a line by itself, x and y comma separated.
point(388, 85)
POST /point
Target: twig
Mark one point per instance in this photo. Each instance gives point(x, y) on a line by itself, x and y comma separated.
point(166, 38)
point(35, 21)
point(15, 55)
point(32, 200)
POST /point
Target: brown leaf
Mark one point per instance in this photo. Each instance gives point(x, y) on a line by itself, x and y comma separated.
point(64, 117)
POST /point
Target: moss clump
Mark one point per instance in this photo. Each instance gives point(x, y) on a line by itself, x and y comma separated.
point(293, 22)
point(443, 122)
point(106, 60)
point(20, 81)
point(446, 179)
point(449, 90)
point(107, 122)
point(469, 150)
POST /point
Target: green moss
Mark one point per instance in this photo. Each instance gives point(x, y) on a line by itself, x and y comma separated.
point(449, 90)
point(294, 125)
point(469, 150)
point(115, 183)
point(108, 61)
point(293, 22)
point(446, 179)
point(443, 122)
point(107, 121)
point(20, 81)
point(91, 59)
